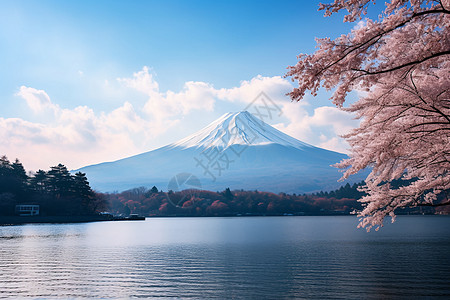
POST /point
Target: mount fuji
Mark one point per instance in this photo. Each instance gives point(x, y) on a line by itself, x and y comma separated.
point(237, 150)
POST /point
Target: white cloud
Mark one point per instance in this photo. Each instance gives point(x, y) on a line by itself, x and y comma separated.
point(82, 136)
point(335, 144)
point(76, 136)
point(193, 96)
point(275, 87)
point(322, 128)
point(142, 81)
point(164, 109)
point(341, 121)
point(37, 100)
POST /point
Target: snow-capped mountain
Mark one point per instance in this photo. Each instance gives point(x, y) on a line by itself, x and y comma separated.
point(240, 128)
point(237, 150)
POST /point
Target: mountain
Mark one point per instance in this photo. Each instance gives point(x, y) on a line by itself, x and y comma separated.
point(237, 150)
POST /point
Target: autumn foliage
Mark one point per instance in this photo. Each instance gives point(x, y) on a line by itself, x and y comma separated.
point(207, 203)
point(199, 203)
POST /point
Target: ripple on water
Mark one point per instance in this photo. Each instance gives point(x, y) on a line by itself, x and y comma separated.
point(296, 257)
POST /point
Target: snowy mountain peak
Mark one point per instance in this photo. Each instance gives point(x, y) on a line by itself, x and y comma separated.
point(240, 128)
point(269, 161)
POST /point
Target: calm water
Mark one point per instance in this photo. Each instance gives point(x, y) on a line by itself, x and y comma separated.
point(259, 257)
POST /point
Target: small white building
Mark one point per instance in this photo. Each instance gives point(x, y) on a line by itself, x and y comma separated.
point(27, 210)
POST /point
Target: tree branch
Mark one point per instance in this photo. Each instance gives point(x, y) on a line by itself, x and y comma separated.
point(404, 65)
point(434, 205)
point(378, 36)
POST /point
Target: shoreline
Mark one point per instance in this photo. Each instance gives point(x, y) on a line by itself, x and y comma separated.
point(17, 220)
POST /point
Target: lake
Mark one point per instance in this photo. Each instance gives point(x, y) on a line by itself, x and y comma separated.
point(241, 257)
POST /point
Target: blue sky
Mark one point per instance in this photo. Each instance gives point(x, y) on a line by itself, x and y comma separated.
point(91, 81)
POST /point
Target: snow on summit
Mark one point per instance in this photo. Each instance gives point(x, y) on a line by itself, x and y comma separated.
point(240, 128)
point(238, 151)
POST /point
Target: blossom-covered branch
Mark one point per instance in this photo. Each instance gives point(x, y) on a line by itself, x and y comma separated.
point(402, 64)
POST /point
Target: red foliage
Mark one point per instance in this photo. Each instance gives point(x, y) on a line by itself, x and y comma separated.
point(164, 208)
point(188, 204)
point(218, 207)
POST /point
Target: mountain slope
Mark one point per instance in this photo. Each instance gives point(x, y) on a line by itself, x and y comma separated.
point(238, 151)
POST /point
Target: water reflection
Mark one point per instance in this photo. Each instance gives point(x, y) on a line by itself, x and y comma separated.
point(301, 257)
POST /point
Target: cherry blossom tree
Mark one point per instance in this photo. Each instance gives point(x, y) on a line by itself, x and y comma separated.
point(400, 64)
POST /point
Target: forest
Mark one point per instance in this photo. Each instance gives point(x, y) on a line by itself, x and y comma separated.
point(151, 202)
point(57, 191)
point(200, 203)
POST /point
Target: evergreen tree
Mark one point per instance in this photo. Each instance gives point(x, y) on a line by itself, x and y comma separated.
point(83, 193)
point(227, 194)
point(6, 172)
point(39, 182)
point(13, 178)
point(19, 171)
point(81, 186)
point(20, 179)
point(60, 181)
point(57, 191)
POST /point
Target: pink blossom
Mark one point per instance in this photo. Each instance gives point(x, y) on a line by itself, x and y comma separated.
point(402, 62)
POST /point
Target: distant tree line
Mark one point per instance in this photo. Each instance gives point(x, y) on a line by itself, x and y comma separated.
point(345, 191)
point(57, 191)
point(152, 202)
point(206, 203)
